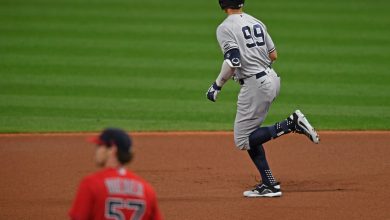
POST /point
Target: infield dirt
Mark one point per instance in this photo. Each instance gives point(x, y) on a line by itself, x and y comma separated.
point(201, 175)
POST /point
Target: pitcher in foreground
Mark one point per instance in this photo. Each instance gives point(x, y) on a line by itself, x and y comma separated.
point(114, 192)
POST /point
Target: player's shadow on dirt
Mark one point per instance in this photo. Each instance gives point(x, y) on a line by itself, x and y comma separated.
point(316, 186)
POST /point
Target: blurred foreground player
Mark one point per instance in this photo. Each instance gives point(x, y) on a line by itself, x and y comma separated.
point(114, 192)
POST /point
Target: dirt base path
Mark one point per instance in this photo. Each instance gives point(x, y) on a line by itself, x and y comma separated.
point(202, 175)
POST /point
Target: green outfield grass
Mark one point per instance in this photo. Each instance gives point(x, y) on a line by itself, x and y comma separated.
point(73, 65)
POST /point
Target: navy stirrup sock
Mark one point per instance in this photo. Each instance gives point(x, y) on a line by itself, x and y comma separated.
point(264, 134)
point(281, 128)
point(260, 136)
point(257, 155)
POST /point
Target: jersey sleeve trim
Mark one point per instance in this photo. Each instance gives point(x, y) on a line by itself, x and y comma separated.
point(272, 50)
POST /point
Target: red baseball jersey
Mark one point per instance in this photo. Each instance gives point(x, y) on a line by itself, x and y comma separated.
point(115, 194)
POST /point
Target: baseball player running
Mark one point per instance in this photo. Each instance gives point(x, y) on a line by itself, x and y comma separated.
point(114, 192)
point(248, 54)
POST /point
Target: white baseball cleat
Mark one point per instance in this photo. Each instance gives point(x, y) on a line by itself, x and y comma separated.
point(303, 126)
point(263, 190)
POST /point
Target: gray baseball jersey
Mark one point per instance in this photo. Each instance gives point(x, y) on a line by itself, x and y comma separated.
point(249, 38)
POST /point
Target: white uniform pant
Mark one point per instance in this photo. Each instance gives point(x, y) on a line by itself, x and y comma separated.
point(254, 100)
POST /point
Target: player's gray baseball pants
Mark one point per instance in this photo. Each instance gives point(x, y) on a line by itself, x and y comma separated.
point(254, 100)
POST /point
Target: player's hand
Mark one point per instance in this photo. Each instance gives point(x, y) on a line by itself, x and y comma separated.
point(213, 91)
point(235, 78)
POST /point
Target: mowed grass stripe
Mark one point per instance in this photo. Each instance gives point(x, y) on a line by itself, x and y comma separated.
point(344, 44)
point(173, 93)
point(101, 44)
point(128, 81)
point(139, 84)
point(89, 102)
point(66, 124)
point(327, 116)
point(324, 117)
point(190, 107)
point(67, 71)
point(114, 113)
point(172, 62)
point(291, 72)
point(303, 31)
point(123, 47)
point(37, 15)
point(165, 98)
point(132, 18)
point(138, 50)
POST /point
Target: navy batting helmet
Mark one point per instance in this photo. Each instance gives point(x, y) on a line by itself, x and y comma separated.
point(233, 4)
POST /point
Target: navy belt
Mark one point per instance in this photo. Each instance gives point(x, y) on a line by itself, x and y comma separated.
point(258, 75)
